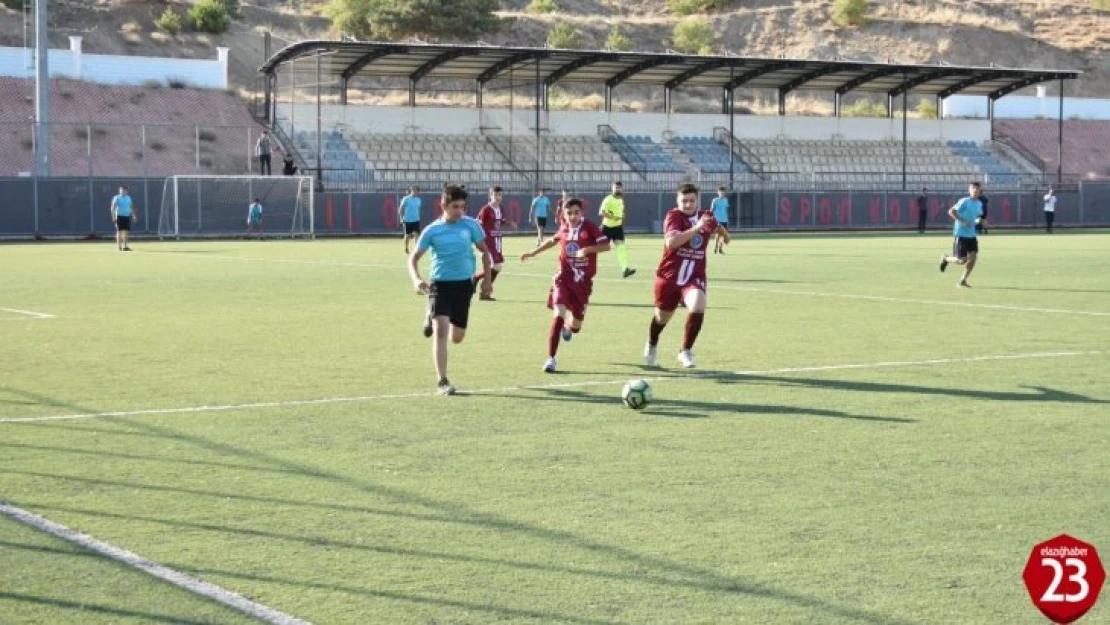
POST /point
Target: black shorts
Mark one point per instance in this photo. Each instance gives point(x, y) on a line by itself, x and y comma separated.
point(412, 227)
point(123, 223)
point(451, 299)
point(962, 246)
point(541, 222)
point(615, 233)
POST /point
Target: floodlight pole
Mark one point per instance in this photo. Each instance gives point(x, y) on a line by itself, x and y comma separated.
point(1060, 138)
point(905, 134)
point(539, 148)
point(42, 90)
point(731, 95)
point(319, 134)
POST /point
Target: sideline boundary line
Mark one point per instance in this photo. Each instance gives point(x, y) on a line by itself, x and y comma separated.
point(715, 286)
point(196, 586)
point(29, 313)
point(539, 387)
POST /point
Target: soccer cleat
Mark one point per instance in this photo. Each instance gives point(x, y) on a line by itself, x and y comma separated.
point(567, 334)
point(628, 272)
point(943, 263)
point(963, 285)
point(686, 357)
point(428, 327)
point(445, 387)
point(650, 354)
point(549, 366)
point(487, 298)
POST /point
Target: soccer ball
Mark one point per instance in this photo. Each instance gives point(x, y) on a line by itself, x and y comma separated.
point(636, 394)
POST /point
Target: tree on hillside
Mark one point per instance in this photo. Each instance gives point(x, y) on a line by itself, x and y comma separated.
point(398, 19)
point(850, 12)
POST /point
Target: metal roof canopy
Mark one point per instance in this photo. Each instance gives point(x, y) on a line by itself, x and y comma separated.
point(482, 64)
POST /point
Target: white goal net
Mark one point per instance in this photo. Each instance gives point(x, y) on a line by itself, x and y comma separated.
point(218, 206)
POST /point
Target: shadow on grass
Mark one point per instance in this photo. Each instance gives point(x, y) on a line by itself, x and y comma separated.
point(84, 607)
point(650, 569)
point(502, 612)
point(1039, 394)
point(688, 408)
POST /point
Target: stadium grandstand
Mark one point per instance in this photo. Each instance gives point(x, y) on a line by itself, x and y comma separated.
point(355, 148)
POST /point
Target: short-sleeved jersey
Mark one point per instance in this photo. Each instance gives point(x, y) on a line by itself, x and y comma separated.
point(452, 245)
point(615, 206)
point(1050, 203)
point(571, 268)
point(123, 205)
point(686, 265)
point(969, 210)
point(720, 209)
point(491, 217)
point(541, 205)
point(410, 208)
point(255, 211)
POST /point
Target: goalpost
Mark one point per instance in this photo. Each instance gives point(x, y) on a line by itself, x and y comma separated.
point(217, 206)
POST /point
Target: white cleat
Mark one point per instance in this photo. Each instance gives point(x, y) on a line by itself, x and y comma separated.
point(686, 357)
point(549, 366)
point(650, 354)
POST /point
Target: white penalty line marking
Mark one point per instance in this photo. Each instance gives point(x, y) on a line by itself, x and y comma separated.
point(29, 313)
point(175, 577)
point(540, 387)
point(715, 286)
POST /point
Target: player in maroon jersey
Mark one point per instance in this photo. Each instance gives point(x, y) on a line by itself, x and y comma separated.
point(681, 273)
point(579, 241)
point(491, 216)
point(563, 199)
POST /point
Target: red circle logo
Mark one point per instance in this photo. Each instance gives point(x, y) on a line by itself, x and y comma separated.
point(1064, 577)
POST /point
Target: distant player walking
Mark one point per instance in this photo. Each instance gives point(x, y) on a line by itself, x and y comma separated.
point(491, 218)
point(263, 150)
point(612, 224)
point(965, 245)
point(254, 219)
point(720, 213)
point(579, 241)
point(122, 215)
point(408, 213)
point(537, 214)
point(451, 239)
point(1049, 210)
point(681, 275)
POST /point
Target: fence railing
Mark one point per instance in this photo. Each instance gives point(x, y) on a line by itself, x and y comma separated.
point(98, 149)
point(629, 153)
point(1022, 151)
point(729, 140)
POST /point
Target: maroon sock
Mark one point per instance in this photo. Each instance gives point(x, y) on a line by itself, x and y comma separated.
point(693, 327)
point(554, 335)
point(493, 276)
point(655, 331)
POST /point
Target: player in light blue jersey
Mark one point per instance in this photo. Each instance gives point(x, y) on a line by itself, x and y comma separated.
point(254, 219)
point(537, 215)
point(123, 213)
point(451, 240)
point(719, 206)
point(408, 213)
point(965, 246)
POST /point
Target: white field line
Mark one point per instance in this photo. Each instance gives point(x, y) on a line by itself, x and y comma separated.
point(540, 387)
point(29, 313)
point(177, 578)
point(715, 286)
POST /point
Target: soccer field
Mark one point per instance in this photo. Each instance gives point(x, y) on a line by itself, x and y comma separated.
point(862, 442)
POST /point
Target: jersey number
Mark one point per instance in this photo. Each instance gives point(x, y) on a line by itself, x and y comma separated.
point(578, 273)
point(685, 271)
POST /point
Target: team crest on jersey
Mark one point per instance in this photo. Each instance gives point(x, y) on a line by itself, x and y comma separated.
point(572, 248)
point(696, 241)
